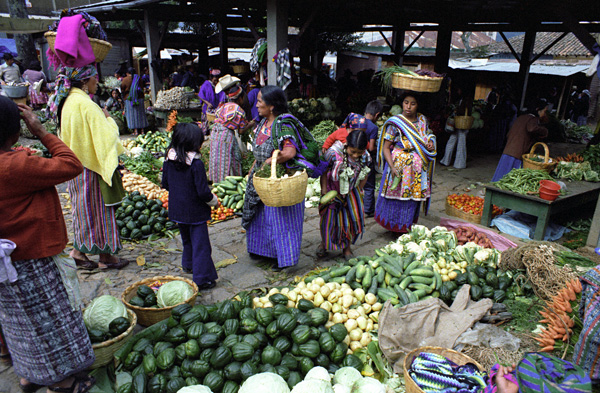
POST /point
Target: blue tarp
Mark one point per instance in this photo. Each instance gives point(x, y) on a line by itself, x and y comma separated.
point(522, 225)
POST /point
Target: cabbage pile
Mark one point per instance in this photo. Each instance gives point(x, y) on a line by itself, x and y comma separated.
point(173, 293)
point(102, 311)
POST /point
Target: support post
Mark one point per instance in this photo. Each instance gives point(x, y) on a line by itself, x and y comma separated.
point(442, 49)
point(398, 44)
point(153, 47)
point(277, 27)
point(525, 64)
point(223, 51)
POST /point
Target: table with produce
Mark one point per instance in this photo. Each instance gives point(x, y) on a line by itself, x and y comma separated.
point(322, 332)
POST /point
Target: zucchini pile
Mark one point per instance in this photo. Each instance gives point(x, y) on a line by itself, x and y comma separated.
point(139, 217)
point(154, 141)
point(222, 345)
point(231, 192)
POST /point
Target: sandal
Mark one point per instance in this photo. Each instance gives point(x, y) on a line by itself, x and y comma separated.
point(85, 264)
point(119, 265)
point(321, 252)
point(79, 385)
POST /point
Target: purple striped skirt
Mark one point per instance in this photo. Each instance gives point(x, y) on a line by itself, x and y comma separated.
point(396, 215)
point(276, 232)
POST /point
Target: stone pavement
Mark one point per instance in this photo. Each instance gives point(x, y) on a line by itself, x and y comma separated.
point(163, 257)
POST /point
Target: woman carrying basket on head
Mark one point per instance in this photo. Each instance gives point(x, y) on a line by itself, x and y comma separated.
point(276, 232)
point(343, 219)
point(407, 151)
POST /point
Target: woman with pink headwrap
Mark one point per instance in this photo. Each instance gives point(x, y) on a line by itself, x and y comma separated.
point(207, 95)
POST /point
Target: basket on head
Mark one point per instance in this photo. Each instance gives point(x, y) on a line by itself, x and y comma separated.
point(149, 316)
point(547, 165)
point(105, 351)
point(463, 122)
point(100, 47)
point(456, 357)
point(278, 192)
point(240, 68)
point(420, 83)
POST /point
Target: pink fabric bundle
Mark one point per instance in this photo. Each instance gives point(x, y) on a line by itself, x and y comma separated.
point(72, 45)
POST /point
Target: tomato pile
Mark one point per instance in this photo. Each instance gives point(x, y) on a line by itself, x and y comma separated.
point(470, 204)
point(164, 198)
point(220, 213)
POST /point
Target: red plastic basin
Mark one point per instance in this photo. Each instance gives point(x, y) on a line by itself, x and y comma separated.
point(550, 185)
point(548, 195)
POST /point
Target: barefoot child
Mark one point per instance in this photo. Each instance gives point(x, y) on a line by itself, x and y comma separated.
point(190, 198)
point(342, 220)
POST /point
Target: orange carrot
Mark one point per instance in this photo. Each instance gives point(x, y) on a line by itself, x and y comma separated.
point(549, 348)
point(565, 338)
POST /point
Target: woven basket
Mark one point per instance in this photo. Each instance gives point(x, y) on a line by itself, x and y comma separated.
point(149, 316)
point(456, 357)
point(240, 68)
point(278, 192)
point(105, 351)
point(548, 164)
point(463, 122)
point(210, 117)
point(424, 84)
point(100, 47)
point(463, 215)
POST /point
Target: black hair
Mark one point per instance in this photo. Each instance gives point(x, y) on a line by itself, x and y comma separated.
point(186, 137)
point(416, 96)
point(540, 104)
point(275, 96)
point(77, 84)
point(357, 139)
point(10, 119)
point(131, 70)
point(374, 107)
point(35, 65)
point(7, 56)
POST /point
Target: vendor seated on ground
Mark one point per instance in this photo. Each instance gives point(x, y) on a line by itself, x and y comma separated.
point(353, 121)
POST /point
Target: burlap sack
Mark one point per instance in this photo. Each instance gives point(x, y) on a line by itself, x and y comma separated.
point(427, 323)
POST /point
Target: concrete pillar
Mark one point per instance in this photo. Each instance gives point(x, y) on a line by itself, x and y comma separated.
point(277, 36)
point(525, 64)
point(153, 47)
point(442, 49)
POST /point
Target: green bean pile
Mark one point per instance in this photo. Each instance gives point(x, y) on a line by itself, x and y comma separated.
point(522, 181)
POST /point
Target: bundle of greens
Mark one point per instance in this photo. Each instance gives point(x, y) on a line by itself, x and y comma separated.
point(144, 165)
point(576, 171)
point(522, 181)
point(592, 154)
point(385, 77)
point(265, 171)
point(322, 130)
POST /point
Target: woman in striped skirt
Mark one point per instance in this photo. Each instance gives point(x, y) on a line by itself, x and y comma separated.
point(342, 220)
point(94, 137)
point(134, 103)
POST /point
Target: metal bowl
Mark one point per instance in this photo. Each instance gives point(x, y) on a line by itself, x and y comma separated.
point(15, 91)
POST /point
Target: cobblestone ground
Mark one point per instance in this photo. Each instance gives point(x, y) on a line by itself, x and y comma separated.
point(163, 257)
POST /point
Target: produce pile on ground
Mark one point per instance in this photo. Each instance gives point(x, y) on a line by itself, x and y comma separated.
point(220, 213)
point(105, 318)
point(322, 130)
point(152, 141)
point(134, 182)
point(576, 171)
point(162, 294)
point(465, 234)
point(231, 192)
point(592, 155)
point(470, 204)
point(144, 164)
point(140, 217)
point(220, 346)
point(575, 133)
point(522, 181)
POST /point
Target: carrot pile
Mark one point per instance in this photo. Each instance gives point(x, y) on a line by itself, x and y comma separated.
point(172, 122)
point(571, 157)
point(561, 319)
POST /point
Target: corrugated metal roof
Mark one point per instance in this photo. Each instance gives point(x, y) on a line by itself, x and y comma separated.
point(569, 45)
point(558, 70)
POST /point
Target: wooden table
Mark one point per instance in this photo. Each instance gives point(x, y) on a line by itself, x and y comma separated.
point(578, 194)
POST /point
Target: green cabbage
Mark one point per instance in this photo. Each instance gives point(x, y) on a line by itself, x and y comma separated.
point(347, 376)
point(265, 382)
point(102, 311)
point(311, 386)
point(172, 293)
point(368, 385)
point(318, 373)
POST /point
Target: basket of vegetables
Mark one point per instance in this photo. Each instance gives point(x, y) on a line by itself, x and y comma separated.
point(109, 326)
point(534, 161)
point(467, 207)
point(152, 299)
point(277, 191)
point(415, 82)
point(464, 122)
point(454, 356)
